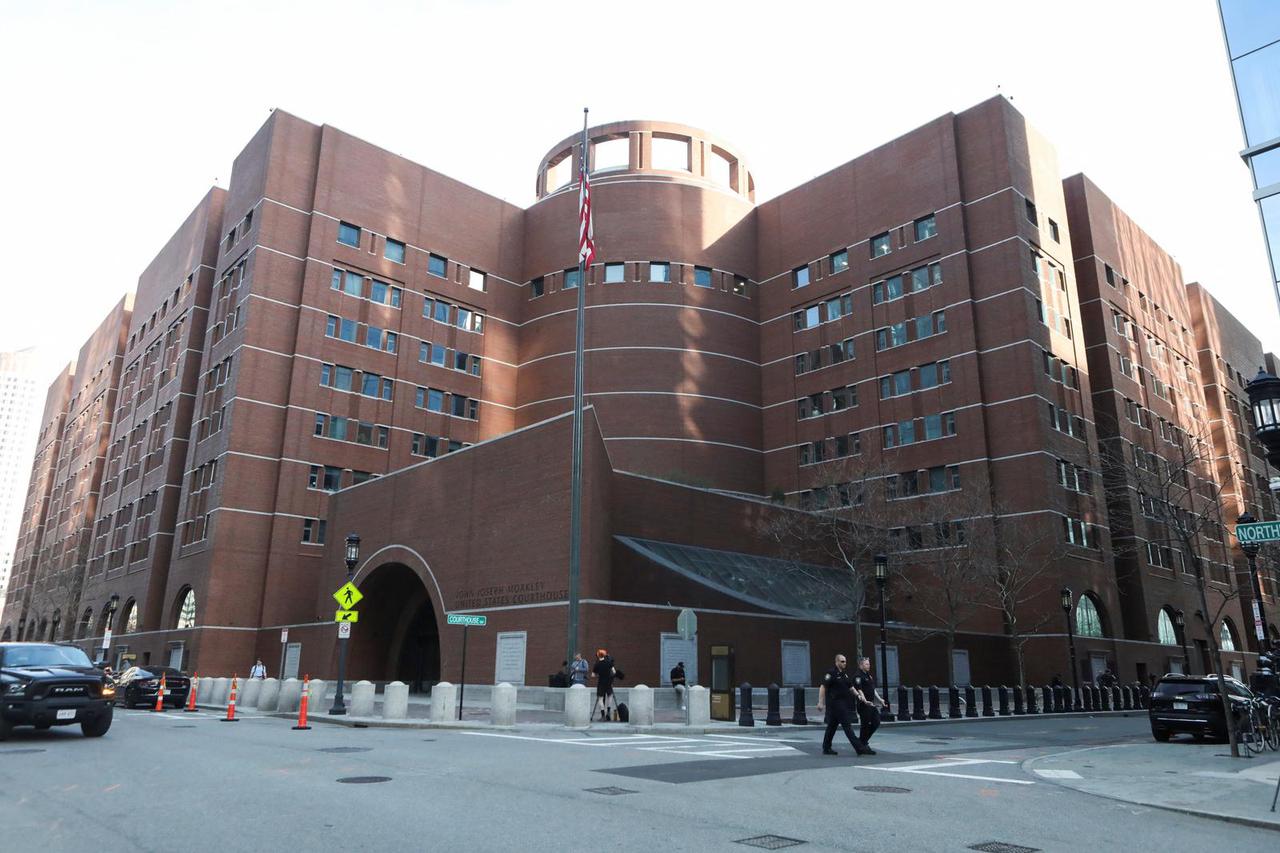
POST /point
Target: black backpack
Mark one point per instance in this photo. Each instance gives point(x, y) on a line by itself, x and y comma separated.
point(624, 713)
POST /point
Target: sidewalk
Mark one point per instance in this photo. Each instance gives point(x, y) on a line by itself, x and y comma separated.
point(1181, 776)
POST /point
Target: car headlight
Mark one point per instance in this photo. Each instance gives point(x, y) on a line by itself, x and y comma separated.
point(16, 689)
point(151, 682)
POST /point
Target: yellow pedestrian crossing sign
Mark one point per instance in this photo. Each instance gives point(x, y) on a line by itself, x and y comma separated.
point(348, 596)
point(347, 616)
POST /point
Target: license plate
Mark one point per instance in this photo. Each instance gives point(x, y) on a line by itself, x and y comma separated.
point(67, 714)
point(1179, 706)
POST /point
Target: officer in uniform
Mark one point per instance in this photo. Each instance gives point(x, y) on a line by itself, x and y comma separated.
point(837, 687)
point(869, 702)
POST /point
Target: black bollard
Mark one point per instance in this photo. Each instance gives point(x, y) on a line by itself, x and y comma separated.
point(987, 710)
point(1126, 698)
point(1058, 699)
point(774, 716)
point(745, 717)
point(798, 716)
point(1144, 697)
point(953, 702)
point(970, 702)
point(1086, 700)
point(1031, 700)
point(1097, 698)
point(1117, 699)
point(1105, 695)
point(1018, 710)
point(1003, 693)
point(917, 703)
point(1046, 700)
point(904, 704)
point(935, 704)
point(1071, 700)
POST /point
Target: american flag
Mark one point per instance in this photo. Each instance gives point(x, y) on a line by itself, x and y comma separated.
point(586, 237)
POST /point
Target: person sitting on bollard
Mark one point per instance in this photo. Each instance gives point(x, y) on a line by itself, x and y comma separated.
point(258, 670)
point(604, 674)
point(679, 682)
point(837, 686)
point(869, 702)
point(578, 670)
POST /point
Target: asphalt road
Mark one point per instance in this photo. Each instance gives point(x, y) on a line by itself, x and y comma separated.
point(187, 782)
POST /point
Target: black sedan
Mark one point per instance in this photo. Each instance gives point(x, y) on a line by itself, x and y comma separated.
point(138, 686)
point(1191, 704)
point(47, 684)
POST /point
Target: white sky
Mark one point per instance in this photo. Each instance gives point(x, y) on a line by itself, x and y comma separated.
point(118, 116)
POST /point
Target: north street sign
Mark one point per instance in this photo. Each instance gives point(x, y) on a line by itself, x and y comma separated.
point(1258, 531)
point(467, 620)
point(348, 596)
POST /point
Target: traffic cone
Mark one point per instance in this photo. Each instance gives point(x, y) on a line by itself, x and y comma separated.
point(160, 695)
point(191, 694)
point(231, 704)
point(302, 705)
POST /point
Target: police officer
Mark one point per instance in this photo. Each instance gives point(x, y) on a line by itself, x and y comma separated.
point(869, 702)
point(837, 686)
point(1263, 680)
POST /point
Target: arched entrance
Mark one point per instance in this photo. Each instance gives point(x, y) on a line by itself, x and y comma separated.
point(397, 637)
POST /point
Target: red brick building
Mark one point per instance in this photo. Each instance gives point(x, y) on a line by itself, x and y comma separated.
point(389, 352)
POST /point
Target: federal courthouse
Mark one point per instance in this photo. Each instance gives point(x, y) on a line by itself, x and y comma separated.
point(348, 342)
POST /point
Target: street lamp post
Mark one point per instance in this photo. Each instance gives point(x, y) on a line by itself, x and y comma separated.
point(112, 603)
point(882, 577)
point(1250, 550)
point(1180, 622)
point(353, 557)
point(1071, 640)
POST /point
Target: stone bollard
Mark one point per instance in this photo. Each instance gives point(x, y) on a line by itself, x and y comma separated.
point(1002, 698)
point(935, 704)
point(987, 710)
point(745, 716)
point(699, 706)
point(798, 715)
point(1018, 709)
point(1144, 697)
point(317, 696)
point(953, 702)
point(1106, 699)
point(218, 693)
point(1031, 700)
point(290, 695)
point(1046, 700)
point(209, 695)
point(1126, 698)
point(640, 704)
point(970, 702)
point(917, 703)
point(774, 715)
point(361, 699)
point(577, 707)
point(904, 705)
point(1058, 699)
point(444, 703)
point(395, 701)
point(1117, 700)
point(1086, 700)
point(249, 690)
point(503, 710)
point(269, 695)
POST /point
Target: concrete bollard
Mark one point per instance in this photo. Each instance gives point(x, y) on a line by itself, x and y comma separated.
point(249, 690)
point(953, 702)
point(1031, 700)
point(904, 705)
point(577, 707)
point(503, 709)
point(290, 695)
point(395, 701)
point(1059, 699)
point(970, 702)
point(917, 703)
point(269, 695)
point(1126, 698)
point(987, 709)
point(640, 704)
point(317, 698)
point(798, 715)
point(1086, 697)
point(1106, 699)
point(217, 695)
point(935, 704)
point(699, 706)
point(361, 699)
point(1018, 709)
point(1144, 697)
point(444, 702)
point(745, 715)
point(1116, 699)
point(774, 715)
point(1046, 700)
point(1002, 700)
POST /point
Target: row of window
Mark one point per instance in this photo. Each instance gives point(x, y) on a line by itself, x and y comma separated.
point(915, 430)
point(328, 478)
point(928, 481)
point(879, 246)
point(823, 312)
point(466, 319)
point(1054, 319)
point(914, 379)
point(432, 446)
point(363, 334)
point(429, 353)
point(1077, 532)
point(1065, 422)
point(458, 405)
point(660, 272)
point(1034, 218)
point(919, 537)
point(826, 402)
point(829, 353)
point(838, 447)
point(1074, 477)
point(908, 331)
point(358, 285)
point(1060, 371)
point(342, 378)
point(914, 281)
point(394, 250)
point(352, 430)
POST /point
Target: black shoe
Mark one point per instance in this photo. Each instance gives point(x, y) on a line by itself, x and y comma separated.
point(867, 751)
point(829, 752)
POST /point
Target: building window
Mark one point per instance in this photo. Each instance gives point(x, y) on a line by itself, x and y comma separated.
point(1164, 629)
point(536, 288)
point(476, 280)
point(615, 273)
point(839, 261)
point(1226, 637)
point(394, 251)
point(880, 245)
point(424, 445)
point(659, 272)
point(438, 266)
point(1088, 621)
point(739, 286)
point(187, 611)
point(1031, 212)
point(330, 478)
point(702, 276)
point(313, 531)
point(926, 227)
point(348, 234)
point(1111, 280)
point(571, 278)
point(800, 277)
point(1053, 232)
point(895, 384)
point(807, 318)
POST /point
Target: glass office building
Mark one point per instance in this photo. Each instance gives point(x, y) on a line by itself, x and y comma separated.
point(1252, 29)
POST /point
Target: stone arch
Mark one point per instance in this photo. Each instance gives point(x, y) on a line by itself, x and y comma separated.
point(404, 600)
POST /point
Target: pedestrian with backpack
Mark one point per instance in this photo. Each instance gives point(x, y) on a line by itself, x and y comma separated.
point(604, 673)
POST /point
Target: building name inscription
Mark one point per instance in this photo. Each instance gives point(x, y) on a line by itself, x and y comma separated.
point(505, 595)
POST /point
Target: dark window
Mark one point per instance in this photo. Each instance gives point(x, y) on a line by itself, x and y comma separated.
point(880, 245)
point(349, 234)
point(536, 287)
point(926, 227)
point(800, 277)
point(1031, 212)
point(571, 278)
point(839, 261)
point(437, 265)
point(394, 251)
point(1053, 232)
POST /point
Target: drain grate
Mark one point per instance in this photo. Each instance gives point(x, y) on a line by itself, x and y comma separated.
point(346, 749)
point(19, 751)
point(1002, 847)
point(610, 791)
point(770, 842)
point(881, 789)
point(363, 780)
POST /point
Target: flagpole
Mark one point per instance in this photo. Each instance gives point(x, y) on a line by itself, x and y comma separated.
point(575, 488)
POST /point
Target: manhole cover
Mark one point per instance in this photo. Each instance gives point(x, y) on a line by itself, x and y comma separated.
point(363, 780)
point(610, 791)
point(343, 749)
point(428, 740)
point(881, 789)
point(19, 751)
point(770, 842)
point(1002, 847)
point(184, 726)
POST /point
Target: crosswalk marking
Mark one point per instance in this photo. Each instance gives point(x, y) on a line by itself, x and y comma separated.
point(723, 746)
point(939, 768)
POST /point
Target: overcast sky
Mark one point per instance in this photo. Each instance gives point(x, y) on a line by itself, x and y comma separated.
point(120, 115)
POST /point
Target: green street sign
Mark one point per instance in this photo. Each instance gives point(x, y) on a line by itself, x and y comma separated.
point(467, 619)
point(1258, 531)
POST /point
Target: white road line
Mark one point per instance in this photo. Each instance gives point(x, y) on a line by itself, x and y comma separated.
point(751, 739)
point(723, 748)
point(1057, 774)
point(953, 775)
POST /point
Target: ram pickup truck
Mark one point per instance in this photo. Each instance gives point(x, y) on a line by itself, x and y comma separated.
point(50, 684)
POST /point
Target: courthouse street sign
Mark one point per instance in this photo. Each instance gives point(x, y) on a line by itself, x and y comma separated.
point(467, 619)
point(1258, 531)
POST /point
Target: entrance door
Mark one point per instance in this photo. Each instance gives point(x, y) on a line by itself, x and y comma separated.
point(960, 663)
point(892, 654)
point(1237, 671)
point(292, 652)
point(1097, 665)
point(175, 655)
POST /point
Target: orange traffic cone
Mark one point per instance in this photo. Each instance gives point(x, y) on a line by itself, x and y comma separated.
point(302, 705)
point(231, 704)
point(160, 695)
point(191, 694)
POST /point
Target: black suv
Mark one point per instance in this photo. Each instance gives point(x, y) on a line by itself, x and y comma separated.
point(1190, 704)
point(46, 684)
